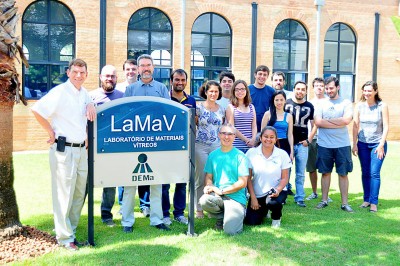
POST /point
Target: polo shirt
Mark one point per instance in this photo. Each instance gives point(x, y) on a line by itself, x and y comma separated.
point(187, 100)
point(154, 88)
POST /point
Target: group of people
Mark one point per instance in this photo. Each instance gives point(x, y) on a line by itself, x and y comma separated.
point(246, 140)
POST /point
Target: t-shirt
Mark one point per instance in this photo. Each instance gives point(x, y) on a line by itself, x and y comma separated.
point(224, 102)
point(226, 167)
point(122, 86)
point(333, 137)
point(261, 99)
point(99, 96)
point(267, 173)
point(302, 113)
point(315, 101)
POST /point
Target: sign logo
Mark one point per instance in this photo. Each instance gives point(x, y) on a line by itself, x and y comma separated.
point(142, 170)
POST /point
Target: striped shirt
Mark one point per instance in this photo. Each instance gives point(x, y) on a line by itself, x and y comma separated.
point(243, 123)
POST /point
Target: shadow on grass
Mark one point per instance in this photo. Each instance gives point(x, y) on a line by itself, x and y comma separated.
point(329, 236)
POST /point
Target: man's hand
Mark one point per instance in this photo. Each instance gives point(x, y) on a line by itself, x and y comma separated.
point(90, 112)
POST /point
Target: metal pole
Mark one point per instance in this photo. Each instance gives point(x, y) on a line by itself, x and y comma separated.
point(183, 24)
point(192, 173)
point(319, 4)
point(103, 33)
point(90, 184)
point(253, 61)
point(376, 42)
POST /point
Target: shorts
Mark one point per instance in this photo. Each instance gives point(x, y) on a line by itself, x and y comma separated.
point(341, 157)
point(312, 156)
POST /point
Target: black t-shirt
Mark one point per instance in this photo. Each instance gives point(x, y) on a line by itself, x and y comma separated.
point(302, 113)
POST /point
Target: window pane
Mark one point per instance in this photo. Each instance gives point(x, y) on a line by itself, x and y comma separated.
point(201, 43)
point(297, 31)
point(282, 30)
point(347, 57)
point(330, 57)
point(162, 75)
point(346, 86)
point(333, 33)
point(58, 75)
point(221, 51)
point(36, 13)
point(346, 34)
point(60, 36)
point(219, 25)
point(298, 55)
point(292, 78)
point(36, 80)
point(36, 40)
point(60, 14)
point(161, 57)
point(202, 23)
point(281, 54)
point(160, 41)
point(159, 21)
point(197, 59)
point(140, 20)
point(198, 77)
point(138, 40)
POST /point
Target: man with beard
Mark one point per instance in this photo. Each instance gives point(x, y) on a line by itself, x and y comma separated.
point(332, 117)
point(146, 86)
point(278, 83)
point(104, 94)
point(178, 80)
point(130, 70)
point(302, 112)
point(226, 80)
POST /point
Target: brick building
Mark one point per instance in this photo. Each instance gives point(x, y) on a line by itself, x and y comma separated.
point(206, 37)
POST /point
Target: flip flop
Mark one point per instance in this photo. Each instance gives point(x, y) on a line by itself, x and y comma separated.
point(364, 206)
point(373, 210)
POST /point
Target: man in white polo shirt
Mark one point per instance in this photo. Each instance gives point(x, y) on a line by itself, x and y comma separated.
point(68, 105)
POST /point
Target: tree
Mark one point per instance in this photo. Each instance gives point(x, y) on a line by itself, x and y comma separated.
point(9, 94)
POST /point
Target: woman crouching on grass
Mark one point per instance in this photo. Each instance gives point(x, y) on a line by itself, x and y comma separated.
point(370, 129)
point(269, 168)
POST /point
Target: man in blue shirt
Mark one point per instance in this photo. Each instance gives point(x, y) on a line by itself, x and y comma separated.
point(178, 80)
point(261, 93)
point(146, 86)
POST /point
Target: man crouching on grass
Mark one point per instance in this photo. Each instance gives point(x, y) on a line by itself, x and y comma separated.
point(226, 177)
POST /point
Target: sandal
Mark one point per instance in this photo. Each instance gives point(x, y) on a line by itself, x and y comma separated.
point(365, 205)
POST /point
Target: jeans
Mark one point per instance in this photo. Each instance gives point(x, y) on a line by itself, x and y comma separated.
point(300, 156)
point(107, 202)
point(371, 170)
point(120, 195)
point(144, 196)
point(179, 199)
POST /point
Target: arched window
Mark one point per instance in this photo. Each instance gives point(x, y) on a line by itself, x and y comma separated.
point(291, 51)
point(211, 49)
point(48, 38)
point(150, 32)
point(340, 57)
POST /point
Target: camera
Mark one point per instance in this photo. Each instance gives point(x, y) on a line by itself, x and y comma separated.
point(269, 193)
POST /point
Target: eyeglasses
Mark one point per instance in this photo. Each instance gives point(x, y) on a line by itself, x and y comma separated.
point(240, 89)
point(109, 76)
point(226, 133)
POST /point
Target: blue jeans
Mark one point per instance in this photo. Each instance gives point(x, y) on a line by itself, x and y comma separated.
point(107, 202)
point(301, 157)
point(120, 195)
point(179, 199)
point(370, 169)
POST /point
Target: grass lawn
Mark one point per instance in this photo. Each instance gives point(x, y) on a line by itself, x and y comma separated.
point(307, 236)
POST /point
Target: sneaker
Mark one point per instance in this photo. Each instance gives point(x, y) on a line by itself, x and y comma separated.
point(290, 192)
point(127, 229)
point(276, 223)
point(312, 196)
point(81, 244)
point(167, 221)
point(330, 200)
point(109, 223)
point(219, 224)
point(347, 208)
point(182, 219)
point(145, 211)
point(322, 205)
point(163, 227)
point(301, 204)
point(268, 216)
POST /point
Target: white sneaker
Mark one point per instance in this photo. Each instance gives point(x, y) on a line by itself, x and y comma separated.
point(276, 223)
point(330, 200)
point(167, 221)
point(268, 216)
point(182, 219)
point(146, 211)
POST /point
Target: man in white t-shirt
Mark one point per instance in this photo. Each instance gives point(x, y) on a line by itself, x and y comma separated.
point(226, 80)
point(130, 70)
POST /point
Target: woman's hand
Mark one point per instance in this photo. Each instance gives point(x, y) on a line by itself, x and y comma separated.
point(254, 203)
point(276, 194)
point(380, 152)
point(355, 150)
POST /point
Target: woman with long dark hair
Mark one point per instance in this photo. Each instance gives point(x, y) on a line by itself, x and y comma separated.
point(370, 130)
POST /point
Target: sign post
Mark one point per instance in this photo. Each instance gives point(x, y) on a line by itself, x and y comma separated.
point(142, 141)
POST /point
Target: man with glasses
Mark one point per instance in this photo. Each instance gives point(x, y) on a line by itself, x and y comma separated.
point(146, 86)
point(227, 172)
point(104, 94)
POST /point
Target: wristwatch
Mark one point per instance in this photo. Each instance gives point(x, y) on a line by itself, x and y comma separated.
point(307, 142)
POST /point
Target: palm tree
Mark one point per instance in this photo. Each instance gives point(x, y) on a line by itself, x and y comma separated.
point(9, 94)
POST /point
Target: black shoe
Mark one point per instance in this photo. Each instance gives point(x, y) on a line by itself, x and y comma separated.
point(290, 192)
point(127, 229)
point(163, 227)
point(81, 244)
point(301, 204)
